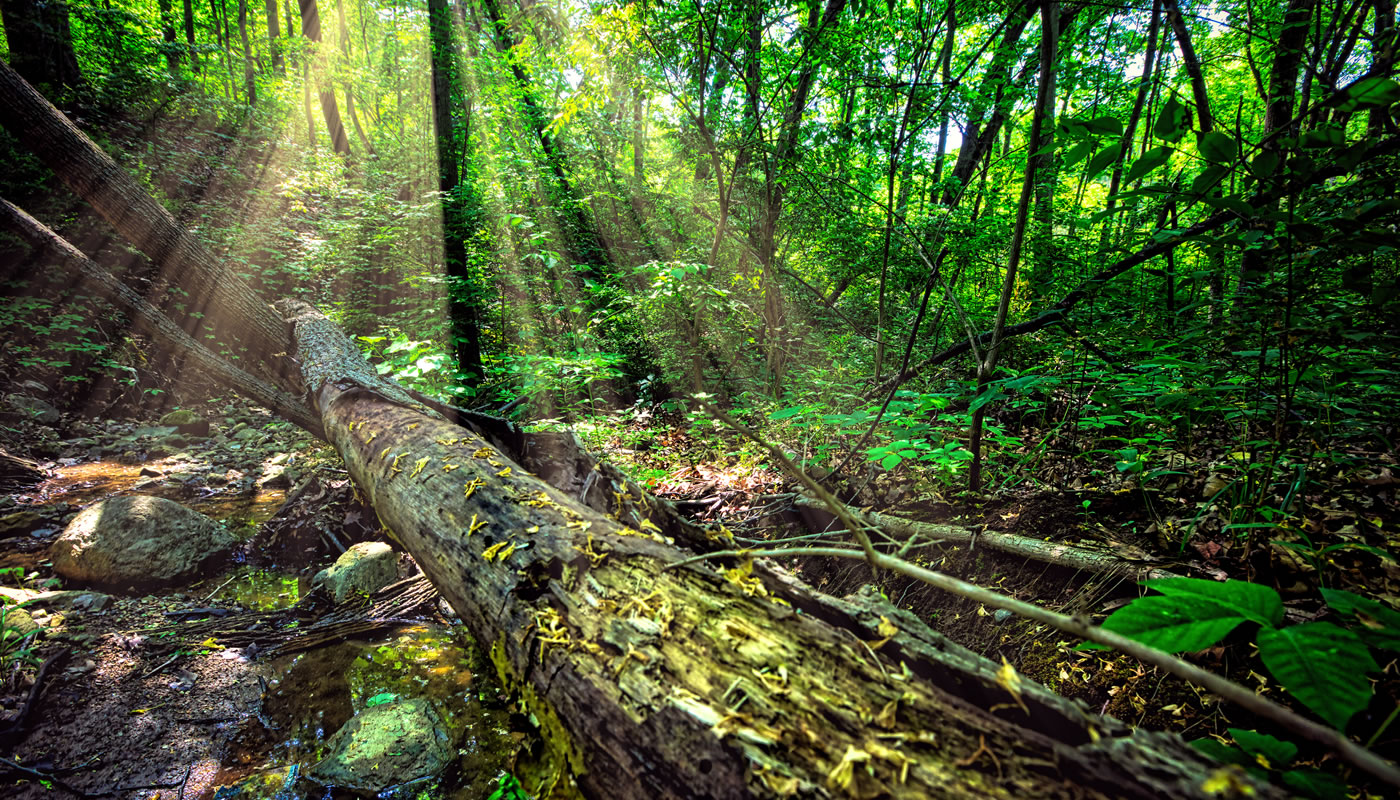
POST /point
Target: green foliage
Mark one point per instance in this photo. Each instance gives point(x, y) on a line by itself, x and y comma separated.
point(1322, 665)
point(1265, 756)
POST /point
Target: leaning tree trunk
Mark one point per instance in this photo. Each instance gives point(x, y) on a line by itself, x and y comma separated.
point(652, 678)
point(239, 318)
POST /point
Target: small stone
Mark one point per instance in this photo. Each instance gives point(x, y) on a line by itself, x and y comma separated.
point(35, 409)
point(365, 568)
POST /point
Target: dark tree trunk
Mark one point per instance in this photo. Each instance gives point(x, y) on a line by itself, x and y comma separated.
point(274, 34)
point(237, 317)
point(41, 43)
point(168, 35)
point(250, 84)
point(463, 307)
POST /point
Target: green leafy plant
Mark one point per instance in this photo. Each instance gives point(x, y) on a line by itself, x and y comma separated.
point(1265, 756)
point(1321, 664)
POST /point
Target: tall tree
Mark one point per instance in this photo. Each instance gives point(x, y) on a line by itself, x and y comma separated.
point(461, 209)
point(330, 108)
point(41, 43)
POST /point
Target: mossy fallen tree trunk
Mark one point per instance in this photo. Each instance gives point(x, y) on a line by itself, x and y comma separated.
point(723, 681)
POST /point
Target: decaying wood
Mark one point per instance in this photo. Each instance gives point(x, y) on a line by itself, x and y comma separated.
point(1059, 554)
point(153, 322)
point(696, 682)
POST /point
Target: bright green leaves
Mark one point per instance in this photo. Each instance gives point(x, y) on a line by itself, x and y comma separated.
point(1174, 624)
point(1248, 600)
point(1324, 666)
point(1104, 159)
point(1150, 161)
point(1379, 623)
point(1220, 148)
point(1173, 122)
point(1373, 92)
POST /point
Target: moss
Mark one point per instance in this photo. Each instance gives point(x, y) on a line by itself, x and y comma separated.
point(561, 755)
point(180, 417)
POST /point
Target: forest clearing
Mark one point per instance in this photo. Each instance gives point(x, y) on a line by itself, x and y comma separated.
point(709, 399)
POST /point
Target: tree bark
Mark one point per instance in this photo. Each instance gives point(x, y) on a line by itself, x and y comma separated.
point(458, 225)
point(1040, 123)
point(330, 109)
point(708, 682)
point(41, 43)
point(239, 319)
point(274, 33)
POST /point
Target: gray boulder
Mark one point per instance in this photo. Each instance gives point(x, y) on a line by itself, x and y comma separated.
point(386, 746)
point(365, 568)
point(137, 541)
point(35, 409)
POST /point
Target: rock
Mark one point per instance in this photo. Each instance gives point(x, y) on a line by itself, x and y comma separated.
point(32, 386)
point(137, 541)
point(246, 434)
point(174, 441)
point(20, 621)
point(180, 416)
point(366, 567)
point(150, 472)
point(35, 409)
point(187, 422)
point(276, 477)
point(20, 523)
point(70, 600)
point(277, 784)
point(153, 431)
point(385, 746)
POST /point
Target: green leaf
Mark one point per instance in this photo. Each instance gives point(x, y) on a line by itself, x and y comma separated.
point(1327, 136)
point(1218, 147)
point(1322, 665)
point(509, 789)
point(1174, 624)
point(678, 273)
point(1075, 154)
point(1276, 751)
point(1264, 165)
point(1380, 624)
point(891, 461)
point(1106, 125)
point(1252, 601)
point(786, 413)
point(380, 699)
point(1223, 753)
point(1373, 92)
point(1150, 161)
point(1316, 784)
point(1173, 121)
point(1103, 159)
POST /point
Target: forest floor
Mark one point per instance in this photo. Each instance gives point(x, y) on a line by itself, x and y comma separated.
point(124, 711)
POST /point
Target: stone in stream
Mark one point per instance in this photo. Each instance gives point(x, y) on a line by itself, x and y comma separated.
point(385, 746)
point(187, 422)
point(365, 568)
point(137, 541)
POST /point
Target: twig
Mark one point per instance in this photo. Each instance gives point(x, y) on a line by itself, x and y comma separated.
point(167, 662)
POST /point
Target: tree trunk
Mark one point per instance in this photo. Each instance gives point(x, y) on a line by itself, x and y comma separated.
point(462, 306)
point(151, 321)
point(238, 318)
point(274, 33)
point(1044, 111)
point(249, 82)
point(708, 682)
point(1125, 144)
point(167, 35)
point(330, 109)
point(41, 43)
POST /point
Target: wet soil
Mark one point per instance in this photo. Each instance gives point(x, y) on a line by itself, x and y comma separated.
point(128, 713)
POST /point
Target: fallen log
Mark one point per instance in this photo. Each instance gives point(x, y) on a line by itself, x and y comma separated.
point(652, 681)
point(1060, 554)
